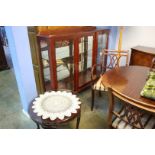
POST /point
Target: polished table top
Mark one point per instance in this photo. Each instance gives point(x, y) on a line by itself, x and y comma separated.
point(129, 81)
point(50, 102)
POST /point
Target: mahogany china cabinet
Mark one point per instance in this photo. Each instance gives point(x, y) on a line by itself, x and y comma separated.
point(63, 56)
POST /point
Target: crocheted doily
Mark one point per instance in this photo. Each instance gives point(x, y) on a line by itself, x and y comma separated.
point(56, 104)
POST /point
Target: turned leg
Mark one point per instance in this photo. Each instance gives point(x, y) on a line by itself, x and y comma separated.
point(92, 102)
point(78, 120)
point(111, 107)
point(38, 127)
point(100, 93)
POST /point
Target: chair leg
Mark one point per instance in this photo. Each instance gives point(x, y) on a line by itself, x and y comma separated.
point(78, 120)
point(111, 107)
point(92, 102)
point(38, 127)
point(100, 93)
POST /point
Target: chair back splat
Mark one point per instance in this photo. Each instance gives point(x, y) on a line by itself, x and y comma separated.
point(114, 58)
point(109, 59)
point(126, 115)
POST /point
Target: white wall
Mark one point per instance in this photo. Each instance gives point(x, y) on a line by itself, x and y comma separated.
point(138, 35)
point(112, 36)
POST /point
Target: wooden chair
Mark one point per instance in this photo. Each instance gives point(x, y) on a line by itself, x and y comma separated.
point(113, 58)
point(126, 115)
point(153, 65)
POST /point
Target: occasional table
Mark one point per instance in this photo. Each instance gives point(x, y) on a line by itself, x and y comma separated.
point(129, 82)
point(54, 108)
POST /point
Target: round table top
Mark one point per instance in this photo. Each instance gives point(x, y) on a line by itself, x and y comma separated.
point(38, 119)
point(129, 81)
point(50, 102)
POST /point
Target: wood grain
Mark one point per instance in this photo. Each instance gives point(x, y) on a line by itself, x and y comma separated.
point(142, 56)
point(128, 82)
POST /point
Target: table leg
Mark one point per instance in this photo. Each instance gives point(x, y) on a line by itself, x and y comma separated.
point(49, 126)
point(78, 121)
point(100, 93)
point(92, 102)
point(111, 107)
point(38, 127)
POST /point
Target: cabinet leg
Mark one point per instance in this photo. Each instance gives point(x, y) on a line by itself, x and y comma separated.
point(78, 121)
point(38, 127)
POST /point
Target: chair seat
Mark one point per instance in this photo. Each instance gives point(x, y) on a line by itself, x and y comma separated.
point(147, 120)
point(99, 86)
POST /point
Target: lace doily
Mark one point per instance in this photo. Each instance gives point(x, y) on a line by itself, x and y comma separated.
point(56, 104)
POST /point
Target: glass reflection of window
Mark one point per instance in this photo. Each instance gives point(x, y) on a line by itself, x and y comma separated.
point(64, 63)
point(90, 50)
point(85, 53)
point(102, 39)
point(45, 62)
point(85, 59)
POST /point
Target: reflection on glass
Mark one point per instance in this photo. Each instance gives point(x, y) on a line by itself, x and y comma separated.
point(64, 63)
point(45, 62)
point(102, 40)
point(85, 59)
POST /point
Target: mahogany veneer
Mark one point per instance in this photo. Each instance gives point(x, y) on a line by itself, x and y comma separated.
point(142, 56)
point(129, 82)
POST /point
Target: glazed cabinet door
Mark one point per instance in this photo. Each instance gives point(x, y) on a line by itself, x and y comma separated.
point(64, 56)
point(85, 59)
point(67, 59)
point(57, 63)
point(102, 43)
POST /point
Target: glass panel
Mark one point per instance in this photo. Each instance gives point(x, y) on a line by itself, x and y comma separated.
point(85, 59)
point(45, 62)
point(102, 40)
point(64, 62)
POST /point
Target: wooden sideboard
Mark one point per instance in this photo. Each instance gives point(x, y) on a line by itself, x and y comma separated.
point(142, 56)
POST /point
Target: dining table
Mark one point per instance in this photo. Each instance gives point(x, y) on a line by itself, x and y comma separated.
point(129, 82)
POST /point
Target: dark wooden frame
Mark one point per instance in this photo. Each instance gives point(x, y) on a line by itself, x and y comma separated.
point(130, 107)
point(114, 59)
point(36, 57)
point(126, 83)
point(52, 57)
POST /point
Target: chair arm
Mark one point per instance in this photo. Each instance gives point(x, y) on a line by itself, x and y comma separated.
point(94, 76)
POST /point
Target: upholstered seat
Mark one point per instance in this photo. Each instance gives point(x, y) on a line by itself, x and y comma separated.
point(114, 58)
point(147, 120)
point(99, 86)
point(127, 114)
